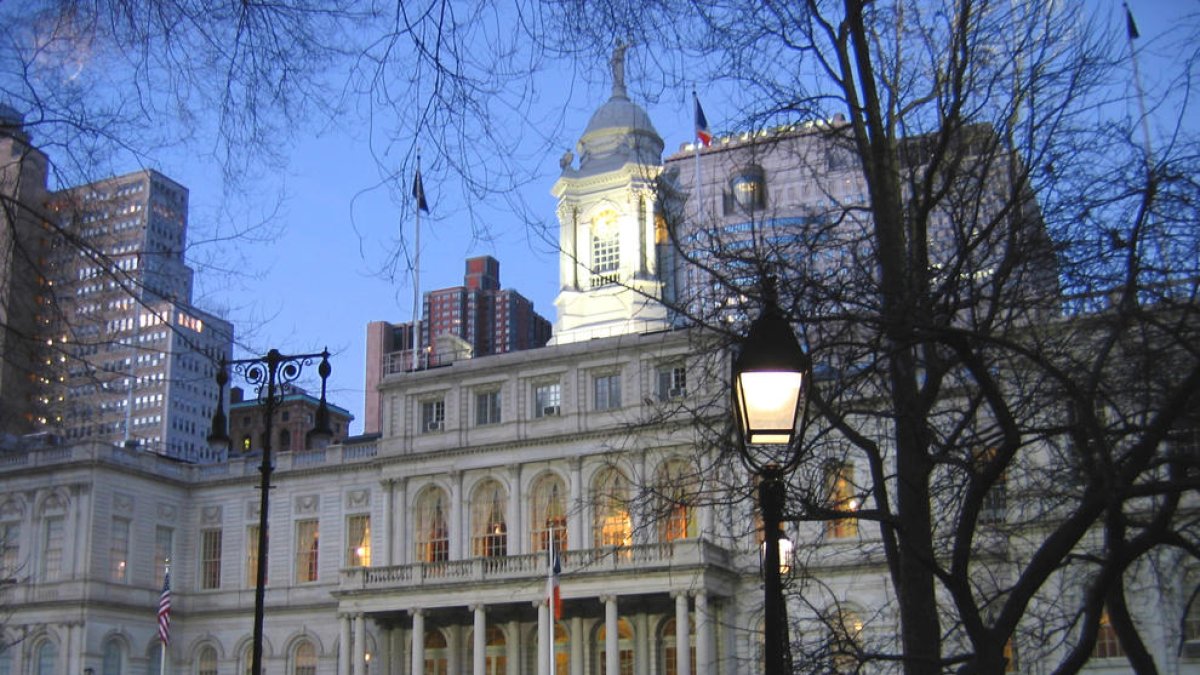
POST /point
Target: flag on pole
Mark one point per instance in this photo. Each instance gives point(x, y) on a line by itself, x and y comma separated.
point(1131, 25)
point(418, 192)
point(702, 132)
point(553, 592)
point(164, 610)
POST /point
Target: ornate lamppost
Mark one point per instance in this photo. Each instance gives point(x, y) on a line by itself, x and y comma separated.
point(268, 375)
point(770, 382)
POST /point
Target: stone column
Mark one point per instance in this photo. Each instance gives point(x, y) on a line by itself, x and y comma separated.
point(343, 666)
point(683, 643)
point(389, 522)
point(457, 533)
point(455, 646)
point(575, 506)
point(360, 644)
point(418, 642)
point(705, 640)
point(512, 648)
point(641, 644)
point(577, 642)
point(480, 640)
point(612, 643)
point(544, 636)
point(516, 533)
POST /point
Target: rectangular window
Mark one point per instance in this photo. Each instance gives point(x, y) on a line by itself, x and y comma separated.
point(547, 399)
point(672, 382)
point(118, 551)
point(487, 408)
point(433, 415)
point(307, 548)
point(52, 549)
point(252, 556)
point(210, 558)
point(164, 544)
point(358, 540)
point(10, 549)
point(606, 391)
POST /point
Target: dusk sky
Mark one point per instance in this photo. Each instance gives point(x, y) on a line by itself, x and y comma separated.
point(317, 279)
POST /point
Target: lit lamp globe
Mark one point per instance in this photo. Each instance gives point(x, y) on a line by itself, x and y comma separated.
point(770, 382)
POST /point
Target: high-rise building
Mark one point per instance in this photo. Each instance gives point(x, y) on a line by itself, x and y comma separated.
point(478, 318)
point(24, 246)
point(97, 331)
point(135, 360)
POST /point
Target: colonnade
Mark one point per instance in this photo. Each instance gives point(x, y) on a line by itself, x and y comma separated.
point(689, 607)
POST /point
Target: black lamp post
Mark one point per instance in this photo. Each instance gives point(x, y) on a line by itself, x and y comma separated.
point(269, 376)
point(770, 383)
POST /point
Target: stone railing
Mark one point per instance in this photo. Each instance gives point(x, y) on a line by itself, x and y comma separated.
point(531, 566)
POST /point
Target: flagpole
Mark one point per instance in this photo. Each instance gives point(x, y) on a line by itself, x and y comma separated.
point(550, 600)
point(162, 652)
point(418, 198)
point(697, 143)
point(1131, 34)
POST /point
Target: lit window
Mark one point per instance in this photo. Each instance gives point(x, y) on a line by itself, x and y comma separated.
point(252, 556)
point(549, 513)
point(305, 659)
point(118, 551)
point(839, 482)
point(1108, 646)
point(164, 544)
point(358, 540)
point(675, 491)
point(207, 663)
point(606, 249)
point(670, 650)
point(624, 647)
point(433, 537)
point(611, 523)
point(489, 529)
point(307, 550)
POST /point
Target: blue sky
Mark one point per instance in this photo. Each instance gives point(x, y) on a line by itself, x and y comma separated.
point(316, 279)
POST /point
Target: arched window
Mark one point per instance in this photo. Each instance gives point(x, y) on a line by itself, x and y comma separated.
point(432, 535)
point(155, 656)
point(611, 524)
point(845, 628)
point(562, 649)
point(841, 496)
point(624, 648)
point(549, 517)
point(670, 652)
point(304, 659)
point(495, 658)
point(45, 659)
point(206, 664)
point(489, 526)
point(436, 655)
point(606, 249)
point(675, 491)
point(246, 662)
point(110, 662)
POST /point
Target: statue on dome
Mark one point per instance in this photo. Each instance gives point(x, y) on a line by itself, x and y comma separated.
point(618, 68)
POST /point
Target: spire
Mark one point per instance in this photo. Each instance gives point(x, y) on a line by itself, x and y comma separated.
point(618, 70)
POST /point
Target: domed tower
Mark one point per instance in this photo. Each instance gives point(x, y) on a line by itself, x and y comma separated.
point(608, 265)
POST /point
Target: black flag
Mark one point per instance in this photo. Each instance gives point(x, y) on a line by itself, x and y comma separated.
point(418, 192)
point(1130, 25)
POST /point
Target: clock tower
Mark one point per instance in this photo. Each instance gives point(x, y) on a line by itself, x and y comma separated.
point(609, 282)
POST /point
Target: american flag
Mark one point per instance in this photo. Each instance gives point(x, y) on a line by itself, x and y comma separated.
point(164, 610)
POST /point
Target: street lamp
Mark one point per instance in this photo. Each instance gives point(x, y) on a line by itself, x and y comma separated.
point(268, 375)
point(770, 382)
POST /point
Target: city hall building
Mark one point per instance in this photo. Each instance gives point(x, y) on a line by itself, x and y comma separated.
point(425, 549)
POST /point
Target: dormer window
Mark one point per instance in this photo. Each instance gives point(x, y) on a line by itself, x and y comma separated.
point(747, 190)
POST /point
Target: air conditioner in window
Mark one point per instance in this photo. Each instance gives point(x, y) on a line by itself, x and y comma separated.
point(549, 411)
point(679, 392)
point(433, 426)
